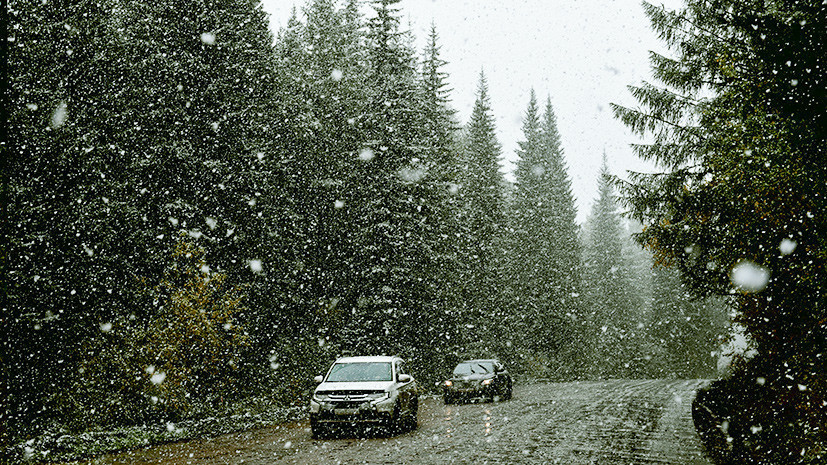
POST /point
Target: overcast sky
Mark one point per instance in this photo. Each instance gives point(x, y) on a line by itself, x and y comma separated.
point(579, 53)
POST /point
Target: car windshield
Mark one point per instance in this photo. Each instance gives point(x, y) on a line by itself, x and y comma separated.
point(474, 368)
point(361, 371)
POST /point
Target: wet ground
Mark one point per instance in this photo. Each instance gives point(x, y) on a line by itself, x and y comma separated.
point(601, 422)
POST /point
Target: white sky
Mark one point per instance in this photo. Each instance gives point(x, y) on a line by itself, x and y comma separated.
point(580, 53)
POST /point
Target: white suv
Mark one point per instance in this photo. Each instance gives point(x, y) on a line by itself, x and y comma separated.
point(365, 390)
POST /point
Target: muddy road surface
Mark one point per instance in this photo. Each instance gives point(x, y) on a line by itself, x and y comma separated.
point(603, 422)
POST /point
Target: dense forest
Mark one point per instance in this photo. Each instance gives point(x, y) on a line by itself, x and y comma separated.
point(196, 212)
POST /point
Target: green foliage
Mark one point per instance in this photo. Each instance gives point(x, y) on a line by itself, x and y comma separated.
point(194, 340)
point(742, 127)
point(544, 251)
point(688, 331)
point(180, 358)
point(614, 311)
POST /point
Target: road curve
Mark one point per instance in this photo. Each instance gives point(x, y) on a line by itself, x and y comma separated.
point(590, 422)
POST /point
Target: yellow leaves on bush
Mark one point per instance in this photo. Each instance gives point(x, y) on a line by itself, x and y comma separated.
point(194, 340)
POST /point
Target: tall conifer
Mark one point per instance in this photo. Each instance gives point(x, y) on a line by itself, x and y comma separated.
point(740, 129)
point(606, 283)
point(545, 252)
point(483, 198)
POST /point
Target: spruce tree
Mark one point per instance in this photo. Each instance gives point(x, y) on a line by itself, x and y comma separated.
point(138, 126)
point(532, 311)
point(202, 88)
point(442, 164)
point(322, 66)
point(545, 252)
point(481, 188)
point(607, 284)
point(739, 130)
point(65, 260)
point(567, 250)
point(391, 240)
point(439, 125)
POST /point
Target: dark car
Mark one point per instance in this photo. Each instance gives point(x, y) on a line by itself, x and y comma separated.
point(486, 378)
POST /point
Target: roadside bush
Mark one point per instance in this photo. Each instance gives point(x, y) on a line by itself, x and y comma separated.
point(761, 417)
point(182, 358)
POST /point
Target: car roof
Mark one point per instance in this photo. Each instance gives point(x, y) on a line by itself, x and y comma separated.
point(363, 359)
point(478, 360)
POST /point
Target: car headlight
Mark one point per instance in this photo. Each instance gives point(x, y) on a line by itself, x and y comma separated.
point(379, 396)
point(320, 397)
point(488, 381)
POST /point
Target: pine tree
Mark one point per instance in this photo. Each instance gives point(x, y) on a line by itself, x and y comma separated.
point(156, 123)
point(607, 284)
point(740, 130)
point(483, 212)
point(545, 251)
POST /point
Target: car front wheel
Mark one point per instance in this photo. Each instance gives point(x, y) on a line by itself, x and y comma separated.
point(413, 416)
point(317, 430)
point(507, 392)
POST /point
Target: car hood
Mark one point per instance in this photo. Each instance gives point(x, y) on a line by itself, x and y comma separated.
point(472, 377)
point(356, 386)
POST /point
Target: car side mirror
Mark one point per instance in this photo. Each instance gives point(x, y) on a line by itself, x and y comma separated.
point(405, 378)
point(319, 379)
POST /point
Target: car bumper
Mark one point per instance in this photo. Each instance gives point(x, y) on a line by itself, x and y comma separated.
point(366, 412)
point(468, 391)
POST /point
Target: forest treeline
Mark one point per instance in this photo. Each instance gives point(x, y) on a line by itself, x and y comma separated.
point(197, 212)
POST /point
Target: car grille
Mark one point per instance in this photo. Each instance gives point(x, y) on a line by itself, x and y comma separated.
point(466, 384)
point(349, 399)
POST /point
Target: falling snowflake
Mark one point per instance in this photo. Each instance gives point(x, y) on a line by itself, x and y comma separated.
point(412, 175)
point(750, 277)
point(158, 377)
point(59, 115)
point(538, 171)
point(787, 246)
point(208, 38)
point(366, 154)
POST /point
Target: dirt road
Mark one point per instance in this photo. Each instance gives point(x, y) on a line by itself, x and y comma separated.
point(605, 422)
